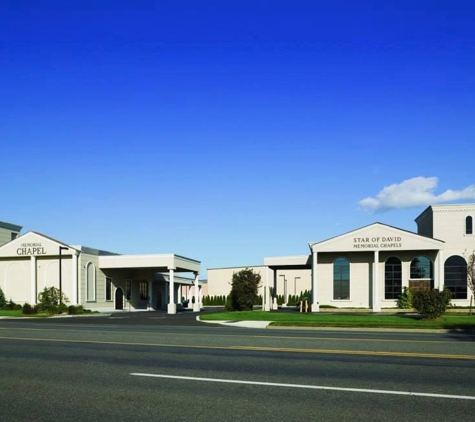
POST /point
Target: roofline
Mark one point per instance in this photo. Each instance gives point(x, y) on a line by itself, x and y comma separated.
point(53, 240)
point(10, 226)
point(374, 224)
point(237, 266)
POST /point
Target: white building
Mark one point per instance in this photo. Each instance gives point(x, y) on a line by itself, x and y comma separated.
point(370, 266)
point(96, 279)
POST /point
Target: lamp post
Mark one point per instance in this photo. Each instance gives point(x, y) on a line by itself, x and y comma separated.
point(295, 285)
point(61, 248)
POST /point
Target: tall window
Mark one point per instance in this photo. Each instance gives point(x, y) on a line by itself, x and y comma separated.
point(455, 274)
point(469, 225)
point(392, 278)
point(108, 288)
point(341, 279)
point(421, 267)
point(143, 290)
point(90, 282)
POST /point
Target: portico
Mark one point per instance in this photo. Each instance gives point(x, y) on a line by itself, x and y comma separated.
point(151, 280)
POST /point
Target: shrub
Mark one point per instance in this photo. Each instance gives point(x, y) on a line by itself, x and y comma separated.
point(28, 309)
point(76, 310)
point(12, 306)
point(49, 301)
point(431, 304)
point(404, 300)
point(245, 284)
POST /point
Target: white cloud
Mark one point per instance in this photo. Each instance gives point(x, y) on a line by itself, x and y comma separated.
point(416, 192)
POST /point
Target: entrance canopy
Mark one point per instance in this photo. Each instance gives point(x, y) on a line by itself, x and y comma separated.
point(159, 263)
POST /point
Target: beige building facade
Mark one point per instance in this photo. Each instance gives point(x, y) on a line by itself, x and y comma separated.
point(370, 266)
point(98, 280)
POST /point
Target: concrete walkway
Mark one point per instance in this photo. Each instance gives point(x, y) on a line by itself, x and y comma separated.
point(243, 324)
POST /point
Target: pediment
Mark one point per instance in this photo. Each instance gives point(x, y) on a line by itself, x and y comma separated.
point(34, 244)
point(375, 237)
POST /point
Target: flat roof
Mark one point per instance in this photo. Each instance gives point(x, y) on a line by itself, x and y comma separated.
point(161, 263)
point(10, 226)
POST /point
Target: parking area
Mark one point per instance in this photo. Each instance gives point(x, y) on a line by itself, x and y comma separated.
point(181, 318)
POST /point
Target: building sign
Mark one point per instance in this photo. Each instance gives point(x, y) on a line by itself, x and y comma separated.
point(31, 249)
point(376, 242)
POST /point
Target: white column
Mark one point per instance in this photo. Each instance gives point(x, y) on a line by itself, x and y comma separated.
point(74, 278)
point(376, 302)
point(172, 304)
point(150, 287)
point(315, 304)
point(266, 292)
point(441, 277)
point(33, 294)
point(197, 305)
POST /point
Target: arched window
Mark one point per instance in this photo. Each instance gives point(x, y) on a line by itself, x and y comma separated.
point(455, 274)
point(392, 278)
point(421, 267)
point(469, 225)
point(341, 279)
point(90, 282)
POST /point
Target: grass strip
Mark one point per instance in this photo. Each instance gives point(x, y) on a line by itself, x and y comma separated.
point(339, 320)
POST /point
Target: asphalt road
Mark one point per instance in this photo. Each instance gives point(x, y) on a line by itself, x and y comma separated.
point(161, 368)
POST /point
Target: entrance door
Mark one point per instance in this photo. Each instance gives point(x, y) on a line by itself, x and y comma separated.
point(159, 300)
point(119, 299)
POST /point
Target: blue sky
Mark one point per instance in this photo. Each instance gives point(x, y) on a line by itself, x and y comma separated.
point(230, 131)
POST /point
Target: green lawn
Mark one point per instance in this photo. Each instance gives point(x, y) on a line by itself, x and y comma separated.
point(18, 313)
point(335, 320)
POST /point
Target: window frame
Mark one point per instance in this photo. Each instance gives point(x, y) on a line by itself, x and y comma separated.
point(459, 288)
point(469, 225)
point(143, 290)
point(341, 284)
point(91, 285)
point(395, 290)
point(108, 289)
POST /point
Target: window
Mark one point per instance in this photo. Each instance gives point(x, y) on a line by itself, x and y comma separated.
point(469, 225)
point(128, 289)
point(108, 288)
point(392, 278)
point(341, 279)
point(421, 267)
point(90, 282)
point(143, 290)
point(455, 274)
point(13, 236)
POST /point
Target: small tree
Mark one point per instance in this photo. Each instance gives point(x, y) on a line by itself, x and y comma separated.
point(245, 285)
point(431, 304)
point(404, 301)
point(3, 300)
point(52, 301)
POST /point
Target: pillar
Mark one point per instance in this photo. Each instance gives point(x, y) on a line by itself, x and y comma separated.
point(376, 302)
point(266, 292)
point(197, 304)
point(33, 293)
point(441, 275)
point(172, 305)
point(315, 304)
point(150, 291)
point(74, 278)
